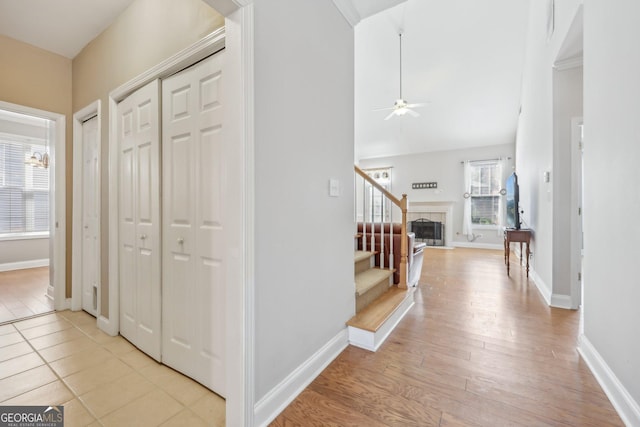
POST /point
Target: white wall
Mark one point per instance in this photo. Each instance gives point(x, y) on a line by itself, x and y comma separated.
point(304, 285)
point(567, 104)
point(23, 253)
point(445, 168)
point(534, 143)
point(612, 198)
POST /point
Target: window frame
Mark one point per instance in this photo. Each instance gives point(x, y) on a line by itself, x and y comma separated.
point(497, 178)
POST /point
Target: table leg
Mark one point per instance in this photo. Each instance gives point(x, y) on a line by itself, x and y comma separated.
point(508, 253)
point(527, 259)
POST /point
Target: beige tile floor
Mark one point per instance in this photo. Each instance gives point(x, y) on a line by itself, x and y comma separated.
point(23, 293)
point(64, 359)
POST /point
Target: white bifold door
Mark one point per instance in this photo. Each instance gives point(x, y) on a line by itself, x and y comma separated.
point(90, 216)
point(193, 266)
point(139, 219)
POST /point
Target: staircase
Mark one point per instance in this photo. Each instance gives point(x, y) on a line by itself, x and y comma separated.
point(380, 305)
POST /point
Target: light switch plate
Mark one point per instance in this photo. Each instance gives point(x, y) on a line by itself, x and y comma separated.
point(334, 188)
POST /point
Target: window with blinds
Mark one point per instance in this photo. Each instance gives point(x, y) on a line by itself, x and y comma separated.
point(24, 190)
point(485, 192)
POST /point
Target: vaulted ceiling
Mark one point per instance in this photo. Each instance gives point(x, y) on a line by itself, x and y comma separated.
point(464, 57)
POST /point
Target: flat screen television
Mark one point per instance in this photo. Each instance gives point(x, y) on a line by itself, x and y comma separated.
point(513, 196)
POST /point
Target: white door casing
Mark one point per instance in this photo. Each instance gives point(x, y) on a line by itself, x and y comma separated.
point(139, 219)
point(193, 304)
point(90, 263)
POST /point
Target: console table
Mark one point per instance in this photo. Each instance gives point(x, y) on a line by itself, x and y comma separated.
point(521, 236)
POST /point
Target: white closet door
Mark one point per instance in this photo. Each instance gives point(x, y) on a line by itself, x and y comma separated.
point(139, 219)
point(193, 311)
point(90, 216)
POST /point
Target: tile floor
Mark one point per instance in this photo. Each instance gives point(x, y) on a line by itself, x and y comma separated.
point(23, 293)
point(64, 359)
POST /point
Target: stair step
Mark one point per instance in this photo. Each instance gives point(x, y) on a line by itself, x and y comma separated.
point(370, 278)
point(362, 255)
point(374, 316)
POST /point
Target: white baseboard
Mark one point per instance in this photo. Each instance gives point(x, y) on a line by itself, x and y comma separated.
point(107, 327)
point(628, 409)
point(21, 265)
point(561, 301)
point(472, 245)
point(276, 400)
point(543, 288)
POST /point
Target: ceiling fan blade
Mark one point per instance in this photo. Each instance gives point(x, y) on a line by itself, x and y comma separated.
point(393, 113)
point(383, 109)
point(421, 104)
point(413, 113)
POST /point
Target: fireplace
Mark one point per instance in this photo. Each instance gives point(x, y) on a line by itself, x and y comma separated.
point(430, 232)
point(439, 212)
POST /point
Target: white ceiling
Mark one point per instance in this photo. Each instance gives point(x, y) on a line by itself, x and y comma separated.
point(464, 57)
point(60, 26)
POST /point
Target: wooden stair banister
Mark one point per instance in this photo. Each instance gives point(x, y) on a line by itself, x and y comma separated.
point(402, 204)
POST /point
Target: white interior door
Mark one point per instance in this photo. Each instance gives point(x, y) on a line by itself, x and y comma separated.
point(90, 216)
point(139, 219)
point(193, 305)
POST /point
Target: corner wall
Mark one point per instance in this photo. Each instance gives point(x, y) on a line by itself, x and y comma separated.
point(304, 284)
point(36, 78)
point(145, 34)
point(612, 200)
point(535, 138)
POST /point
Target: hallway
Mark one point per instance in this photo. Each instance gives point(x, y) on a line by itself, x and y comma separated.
point(479, 348)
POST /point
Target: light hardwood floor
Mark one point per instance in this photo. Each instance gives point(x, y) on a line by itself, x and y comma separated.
point(23, 293)
point(478, 349)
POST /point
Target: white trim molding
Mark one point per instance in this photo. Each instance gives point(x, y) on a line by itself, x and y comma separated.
point(274, 402)
point(21, 265)
point(628, 409)
point(493, 246)
point(57, 201)
point(561, 301)
point(543, 288)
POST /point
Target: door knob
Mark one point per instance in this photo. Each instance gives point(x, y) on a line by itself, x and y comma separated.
point(180, 240)
point(143, 236)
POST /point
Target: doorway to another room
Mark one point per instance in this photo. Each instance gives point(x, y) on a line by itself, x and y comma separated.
point(26, 285)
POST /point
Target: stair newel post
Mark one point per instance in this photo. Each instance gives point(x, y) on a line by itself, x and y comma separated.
point(404, 255)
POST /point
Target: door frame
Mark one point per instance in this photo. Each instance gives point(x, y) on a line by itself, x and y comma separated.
point(91, 110)
point(57, 202)
point(577, 204)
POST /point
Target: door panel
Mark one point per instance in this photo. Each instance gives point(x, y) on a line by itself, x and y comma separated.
point(139, 231)
point(90, 216)
point(193, 265)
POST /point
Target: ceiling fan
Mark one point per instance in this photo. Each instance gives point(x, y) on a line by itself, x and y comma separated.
point(401, 107)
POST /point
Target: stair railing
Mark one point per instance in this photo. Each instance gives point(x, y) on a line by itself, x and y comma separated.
point(400, 203)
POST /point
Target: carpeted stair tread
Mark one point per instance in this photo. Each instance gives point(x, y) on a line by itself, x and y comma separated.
point(369, 278)
point(362, 255)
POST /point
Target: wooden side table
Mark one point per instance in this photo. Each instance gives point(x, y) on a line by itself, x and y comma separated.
point(521, 236)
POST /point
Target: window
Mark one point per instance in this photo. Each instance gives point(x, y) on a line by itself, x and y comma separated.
point(486, 181)
point(377, 204)
point(24, 189)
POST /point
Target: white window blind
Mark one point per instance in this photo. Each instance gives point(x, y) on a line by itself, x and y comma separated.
point(24, 189)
